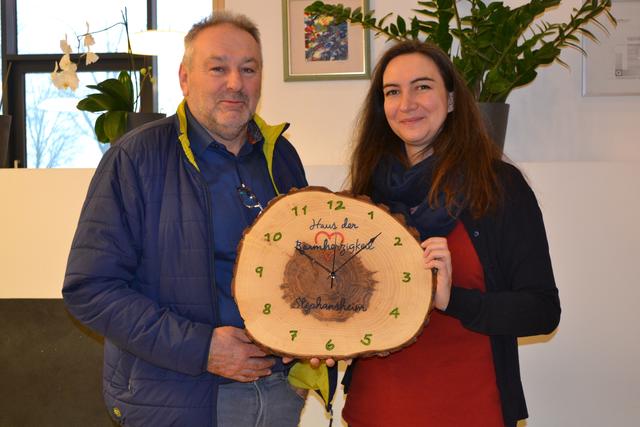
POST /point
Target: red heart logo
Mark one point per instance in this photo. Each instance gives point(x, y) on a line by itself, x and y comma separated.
point(332, 238)
point(339, 237)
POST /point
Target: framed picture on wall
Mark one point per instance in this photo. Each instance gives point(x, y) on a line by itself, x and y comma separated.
point(612, 65)
point(317, 49)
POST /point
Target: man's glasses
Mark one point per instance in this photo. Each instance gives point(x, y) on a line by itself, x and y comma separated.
point(248, 198)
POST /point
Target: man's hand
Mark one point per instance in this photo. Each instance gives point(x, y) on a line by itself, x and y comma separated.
point(233, 355)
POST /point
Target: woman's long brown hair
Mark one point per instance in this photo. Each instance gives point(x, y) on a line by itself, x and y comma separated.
point(465, 155)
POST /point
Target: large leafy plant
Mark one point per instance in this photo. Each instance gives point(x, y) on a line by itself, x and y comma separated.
point(115, 99)
point(494, 47)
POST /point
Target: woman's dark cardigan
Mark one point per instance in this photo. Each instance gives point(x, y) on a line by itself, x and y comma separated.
point(521, 297)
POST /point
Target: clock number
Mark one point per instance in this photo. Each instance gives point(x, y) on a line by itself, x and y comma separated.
point(395, 313)
point(398, 242)
point(339, 205)
point(294, 334)
point(259, 271)
point(329, 345)
point(267, 309)
point(367, 339)
point(276, 236)
point(303, 210)
point(406, 277)
point(370, 213)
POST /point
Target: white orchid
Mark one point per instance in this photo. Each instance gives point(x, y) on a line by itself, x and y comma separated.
point(66, 64)
point(65, 77)
point(64, 74)
point(65, 71)
point(64, 45)
point(88, 42)
point(91, 58)
point(114, 97)
point(88, 38)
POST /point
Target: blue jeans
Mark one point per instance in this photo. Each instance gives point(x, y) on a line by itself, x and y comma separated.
point(269, 402)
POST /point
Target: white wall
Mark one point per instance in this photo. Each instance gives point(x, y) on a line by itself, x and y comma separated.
point(549, 119)
point(585, 374)
point(580, 155)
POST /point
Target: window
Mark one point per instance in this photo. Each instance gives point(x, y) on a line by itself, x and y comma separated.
point(40, 32)
point(58, 134)
point(47, 130)
point(172, 17)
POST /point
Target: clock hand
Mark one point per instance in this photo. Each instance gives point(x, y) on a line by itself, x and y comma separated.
point(357, 252)
point(333, 264)
point(313, 261)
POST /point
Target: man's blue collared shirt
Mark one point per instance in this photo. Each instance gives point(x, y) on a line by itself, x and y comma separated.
point(224, 173)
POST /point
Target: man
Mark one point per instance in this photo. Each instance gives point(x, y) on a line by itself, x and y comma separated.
point(151, 263)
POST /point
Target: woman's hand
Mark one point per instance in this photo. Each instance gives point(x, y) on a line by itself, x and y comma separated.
point(437, 255)
point(314, 361)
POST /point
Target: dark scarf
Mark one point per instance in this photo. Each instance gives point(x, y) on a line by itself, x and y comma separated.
point(405, 191)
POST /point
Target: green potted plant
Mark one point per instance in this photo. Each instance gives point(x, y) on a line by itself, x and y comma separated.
point(117, 101)
point(116, 98)
point(497, 48)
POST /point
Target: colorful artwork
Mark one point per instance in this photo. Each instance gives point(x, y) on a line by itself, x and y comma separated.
point(323, 40)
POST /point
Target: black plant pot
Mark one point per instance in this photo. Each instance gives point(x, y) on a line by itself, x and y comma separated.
point(135, 120)
point(5, 131)
point(496, 117)
point(138, 119)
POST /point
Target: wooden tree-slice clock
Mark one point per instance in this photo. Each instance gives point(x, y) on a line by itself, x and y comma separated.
point(331, 275)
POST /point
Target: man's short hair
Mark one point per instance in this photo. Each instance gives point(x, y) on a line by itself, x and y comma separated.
point(239, 21)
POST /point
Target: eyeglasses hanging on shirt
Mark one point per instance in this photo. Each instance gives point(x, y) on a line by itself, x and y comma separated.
point(248, 198)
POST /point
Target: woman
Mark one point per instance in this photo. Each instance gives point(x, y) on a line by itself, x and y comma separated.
point(422, 150)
